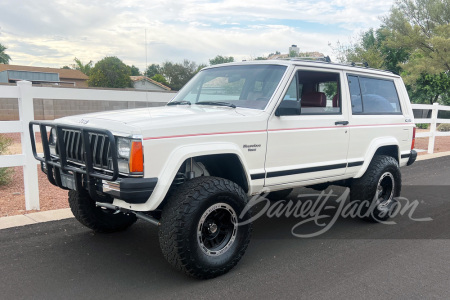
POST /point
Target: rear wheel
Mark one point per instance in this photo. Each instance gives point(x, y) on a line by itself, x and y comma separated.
point(97, 218)
point(378, 186)
point(199, 232)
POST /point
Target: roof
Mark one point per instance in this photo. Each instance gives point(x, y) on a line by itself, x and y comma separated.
point(139, 78)
point(63, 73)
point(319, 63)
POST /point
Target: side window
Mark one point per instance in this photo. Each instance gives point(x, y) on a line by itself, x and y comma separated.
point(373, 96)
point(292, 93)
point(320, 93)
point(355, 94)
point(290, 105)
point(312, 93)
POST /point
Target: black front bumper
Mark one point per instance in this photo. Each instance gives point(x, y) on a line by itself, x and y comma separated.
point(131, 190)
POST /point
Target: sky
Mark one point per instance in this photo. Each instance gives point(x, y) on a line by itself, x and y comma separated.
point(51, 33)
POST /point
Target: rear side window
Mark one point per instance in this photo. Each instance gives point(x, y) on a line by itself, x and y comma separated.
point(373, 96)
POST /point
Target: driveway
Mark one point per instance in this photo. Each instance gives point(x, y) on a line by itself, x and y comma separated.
point(354, 259)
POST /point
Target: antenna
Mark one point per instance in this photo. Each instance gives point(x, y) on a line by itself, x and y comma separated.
point(145, 75)
point(145, 50)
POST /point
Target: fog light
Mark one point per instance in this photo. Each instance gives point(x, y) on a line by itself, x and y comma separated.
point(123, 166)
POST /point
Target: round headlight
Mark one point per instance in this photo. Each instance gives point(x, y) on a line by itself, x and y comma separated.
point(123, 147)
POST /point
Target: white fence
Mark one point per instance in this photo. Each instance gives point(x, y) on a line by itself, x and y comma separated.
point(25, 93)
point(433, 133)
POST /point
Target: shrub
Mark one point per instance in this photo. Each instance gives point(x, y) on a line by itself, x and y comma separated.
point(443, 127)
point(5, 173)
point(423, 126)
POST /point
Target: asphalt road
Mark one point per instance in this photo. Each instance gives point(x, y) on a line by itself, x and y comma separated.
point(354, 259)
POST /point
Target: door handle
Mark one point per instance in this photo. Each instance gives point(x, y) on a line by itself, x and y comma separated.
point(341, 123)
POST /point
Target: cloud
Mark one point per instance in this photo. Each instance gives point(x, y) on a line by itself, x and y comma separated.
point(52, 33)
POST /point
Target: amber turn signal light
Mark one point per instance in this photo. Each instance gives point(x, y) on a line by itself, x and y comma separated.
point(136, 157)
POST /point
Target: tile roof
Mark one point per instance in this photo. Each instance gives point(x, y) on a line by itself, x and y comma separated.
point(63, 73)
point(139, 78)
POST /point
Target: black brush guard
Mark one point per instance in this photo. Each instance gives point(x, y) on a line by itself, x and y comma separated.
point(70, 176)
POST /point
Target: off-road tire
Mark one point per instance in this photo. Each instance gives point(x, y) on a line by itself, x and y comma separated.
point(97, 218)
point(180, 221)
point(279, 195)
point(365, 188)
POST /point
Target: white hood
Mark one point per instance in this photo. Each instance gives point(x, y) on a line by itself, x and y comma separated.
point(166, 120)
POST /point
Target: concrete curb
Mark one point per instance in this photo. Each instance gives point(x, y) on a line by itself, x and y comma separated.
point(432, 155)
point(34, 218)
point(60, 214)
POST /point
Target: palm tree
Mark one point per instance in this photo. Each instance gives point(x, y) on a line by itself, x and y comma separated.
point(4, 58)
point(85, 68)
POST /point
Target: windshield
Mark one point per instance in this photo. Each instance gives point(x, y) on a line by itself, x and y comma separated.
point(249, 86)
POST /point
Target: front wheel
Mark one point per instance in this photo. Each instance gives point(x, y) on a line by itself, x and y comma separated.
point(378, 187)
point(97, 218)
point(199, 232)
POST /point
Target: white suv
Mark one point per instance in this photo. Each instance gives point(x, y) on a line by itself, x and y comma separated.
point(233, 131)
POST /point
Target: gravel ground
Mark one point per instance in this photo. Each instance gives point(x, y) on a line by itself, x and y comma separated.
point(441, 144)
point(12, 199)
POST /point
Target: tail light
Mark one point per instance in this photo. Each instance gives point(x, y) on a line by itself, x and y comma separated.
point(136, 162)
point(413, 138)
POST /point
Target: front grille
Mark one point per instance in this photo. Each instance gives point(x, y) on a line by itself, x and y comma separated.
point(100, 149)
point(70, 159)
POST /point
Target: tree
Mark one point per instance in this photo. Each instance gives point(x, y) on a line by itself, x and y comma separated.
point(293, 53)
point(430, 88)
point(161, 79)
point(85, 68)
point(412, 41)
point(4, 58)
point(67, 68)
point(134, 71)
point(371, 47)
point(422, 26)
point(110, 72)
point(219, 59)
point(152, 70)
point(178, 74)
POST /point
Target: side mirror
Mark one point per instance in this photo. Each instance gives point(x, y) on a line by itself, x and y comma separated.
point(288, 108)
point(278, 112)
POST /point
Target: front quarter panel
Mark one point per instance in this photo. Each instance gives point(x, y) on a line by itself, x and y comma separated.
point(163, 158)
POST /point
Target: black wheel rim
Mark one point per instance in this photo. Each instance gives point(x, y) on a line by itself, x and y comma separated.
point(385, 190)
point(217, 229)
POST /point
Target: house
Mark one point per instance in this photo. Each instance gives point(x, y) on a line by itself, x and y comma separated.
point(42, 75)
point(296, 50)
point(147, 84)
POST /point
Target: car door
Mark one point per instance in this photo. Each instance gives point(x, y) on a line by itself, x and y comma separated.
point(308, 135)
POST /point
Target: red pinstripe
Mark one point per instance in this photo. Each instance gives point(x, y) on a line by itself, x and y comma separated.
point(272, 130)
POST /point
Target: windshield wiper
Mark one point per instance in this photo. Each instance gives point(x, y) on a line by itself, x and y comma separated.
point(220, 103)
point(179, 103)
